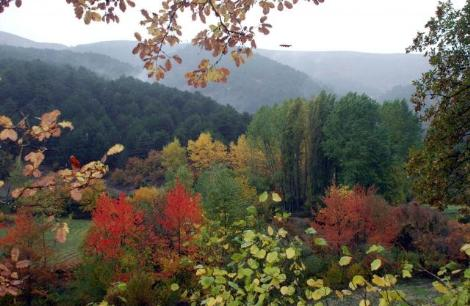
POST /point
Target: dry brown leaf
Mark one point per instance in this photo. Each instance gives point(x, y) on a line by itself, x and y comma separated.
point(6, 122)
point(8, 134)
point(15, 254)
point(116, 149)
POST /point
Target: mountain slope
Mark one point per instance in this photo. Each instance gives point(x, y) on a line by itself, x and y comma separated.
point(98, 63)
point(17, 41)
point(259, 82)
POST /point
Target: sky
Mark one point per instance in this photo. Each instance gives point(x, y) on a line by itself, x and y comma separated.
point(376, 26)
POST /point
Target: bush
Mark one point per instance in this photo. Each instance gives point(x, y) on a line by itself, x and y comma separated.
point(432, 235)
point(335, 276)
point(315, 265)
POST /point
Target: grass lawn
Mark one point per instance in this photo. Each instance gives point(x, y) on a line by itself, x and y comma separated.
point(70, 250)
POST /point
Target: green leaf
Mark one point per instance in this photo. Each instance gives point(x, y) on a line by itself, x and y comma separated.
point(376, 264)
point(287, 290)
point(260, 254)
point(345, 250)
point(375, 248)
point(310, 231)
point(251, 210)
point(174, 287)
point(345, 260)
point(263, 197)
point(248, 236)
point(290, 253)
point(206, 281)
point(272, 257)
point(320, 242)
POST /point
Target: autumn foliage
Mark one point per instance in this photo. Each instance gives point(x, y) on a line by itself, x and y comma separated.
point(181, 217)
point(353, 217)
point(117, 226)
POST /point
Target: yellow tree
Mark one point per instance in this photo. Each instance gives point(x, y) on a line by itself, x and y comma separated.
point(243, 157)
point(173, 156)
point(206, 152)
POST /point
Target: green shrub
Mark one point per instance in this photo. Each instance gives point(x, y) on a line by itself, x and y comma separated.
point(140, 290)
point(335, 277)
point(315, 265)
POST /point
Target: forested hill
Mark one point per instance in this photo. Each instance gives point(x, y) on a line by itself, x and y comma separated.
point(140, 115)
point(98, 63)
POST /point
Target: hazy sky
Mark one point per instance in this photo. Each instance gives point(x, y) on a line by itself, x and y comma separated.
point(386, 26)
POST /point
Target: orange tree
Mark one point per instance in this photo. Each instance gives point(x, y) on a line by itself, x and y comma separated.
point(227, 30)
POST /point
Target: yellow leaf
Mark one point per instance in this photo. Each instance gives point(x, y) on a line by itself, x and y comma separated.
point(364, 302)
point(174, 287)
point(2, 183)
point(320, 293)
point(315, 283)
point(345, 260)
point(466, 249)
point(379, 281)
point(200, 272)
point(290, 253)
point(270, 229)
point(276, 197)
point(116, 149)
point(440, 287)
point(358, 280)
point(66, 125)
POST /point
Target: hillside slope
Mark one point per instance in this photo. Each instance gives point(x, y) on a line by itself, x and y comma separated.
point(9, 39)
point(140, 115)
point(98, 63)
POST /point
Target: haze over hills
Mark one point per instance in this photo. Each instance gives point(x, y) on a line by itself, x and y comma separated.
point(101, 64)
point(273, 76)
point(374, 74)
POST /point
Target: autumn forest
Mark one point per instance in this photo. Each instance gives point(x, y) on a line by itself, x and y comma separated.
point(161, 175)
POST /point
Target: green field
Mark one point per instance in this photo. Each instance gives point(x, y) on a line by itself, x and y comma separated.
point(70, 250)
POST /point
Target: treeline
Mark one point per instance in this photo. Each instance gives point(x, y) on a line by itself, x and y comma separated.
point(309, 145)
point(139, 115)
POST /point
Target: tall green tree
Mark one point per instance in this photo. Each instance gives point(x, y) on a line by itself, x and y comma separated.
point(222, 196)
point(441, 169)
point(356, 141)
point(319, 167)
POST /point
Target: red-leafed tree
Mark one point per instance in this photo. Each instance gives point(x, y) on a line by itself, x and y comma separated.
point(117, 227)
point(181, 217)
point(356, 217)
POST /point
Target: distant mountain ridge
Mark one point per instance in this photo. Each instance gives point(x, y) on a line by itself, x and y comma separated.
point(18, 41)
point(101, 64)
point(344, 71)
point(273, 76)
